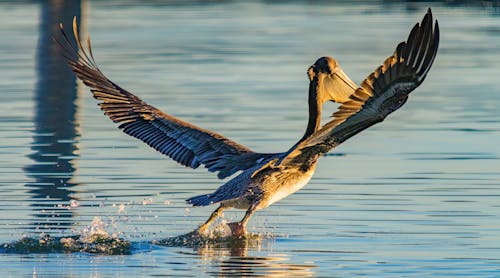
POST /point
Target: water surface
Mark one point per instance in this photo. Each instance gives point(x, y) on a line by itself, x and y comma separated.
point(414, 196)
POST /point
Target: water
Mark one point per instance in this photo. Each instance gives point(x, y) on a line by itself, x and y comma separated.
point(414, 196)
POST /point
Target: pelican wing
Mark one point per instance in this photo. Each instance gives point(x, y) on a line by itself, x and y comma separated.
point(184, 142)
point(390, 83)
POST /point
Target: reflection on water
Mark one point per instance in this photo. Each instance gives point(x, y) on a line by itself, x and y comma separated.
point(228, 256)
point(416, 196)
point(225, 263)
point(223, 256)
point(56, 125)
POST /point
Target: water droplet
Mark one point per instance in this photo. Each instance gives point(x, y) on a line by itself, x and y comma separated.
point(74, 204)
point(121, 208)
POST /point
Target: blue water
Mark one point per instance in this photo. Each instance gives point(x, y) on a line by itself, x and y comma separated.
point(416, 195)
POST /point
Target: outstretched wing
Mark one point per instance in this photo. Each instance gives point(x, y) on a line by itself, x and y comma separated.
point(184, 142)
point(381, 93)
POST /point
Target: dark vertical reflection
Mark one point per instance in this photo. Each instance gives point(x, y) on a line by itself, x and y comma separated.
point(54, 140)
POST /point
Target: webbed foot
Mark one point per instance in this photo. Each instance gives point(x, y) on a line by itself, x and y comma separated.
point(237, 229)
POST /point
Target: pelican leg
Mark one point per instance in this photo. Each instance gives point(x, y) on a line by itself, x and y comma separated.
point(238, 229)
point(217, 213)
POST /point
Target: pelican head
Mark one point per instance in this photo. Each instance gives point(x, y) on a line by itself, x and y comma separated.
point(327, 82)
point(326, 65)
point(330, 81)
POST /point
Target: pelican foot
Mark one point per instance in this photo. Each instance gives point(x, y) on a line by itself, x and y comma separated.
point(237, 230)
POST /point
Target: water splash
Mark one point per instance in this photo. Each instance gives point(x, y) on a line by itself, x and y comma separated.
point(219, 236)
point(96, 229)
point(93, 239)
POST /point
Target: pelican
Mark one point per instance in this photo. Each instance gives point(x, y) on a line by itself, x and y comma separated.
point(265, 178)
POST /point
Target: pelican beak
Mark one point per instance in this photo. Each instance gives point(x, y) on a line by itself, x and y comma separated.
point(341, 74)
point(337, 86)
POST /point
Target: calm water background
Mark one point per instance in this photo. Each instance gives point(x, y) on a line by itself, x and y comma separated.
point(417, 195)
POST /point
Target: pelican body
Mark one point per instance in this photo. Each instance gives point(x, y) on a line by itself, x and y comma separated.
point(265, 178)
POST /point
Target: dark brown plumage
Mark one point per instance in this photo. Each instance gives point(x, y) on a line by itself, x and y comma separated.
point(183, 142)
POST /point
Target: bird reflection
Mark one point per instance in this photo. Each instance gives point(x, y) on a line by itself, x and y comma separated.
point(229, 256)
point(55, 133)
point(237, 259)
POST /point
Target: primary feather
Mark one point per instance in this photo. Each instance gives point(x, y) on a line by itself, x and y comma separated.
point(184, 142)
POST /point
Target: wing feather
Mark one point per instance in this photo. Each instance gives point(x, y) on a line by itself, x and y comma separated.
point(400, 74)
point(186, 143)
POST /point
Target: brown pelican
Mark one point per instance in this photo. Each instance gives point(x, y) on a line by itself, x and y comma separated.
point(267, 177)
